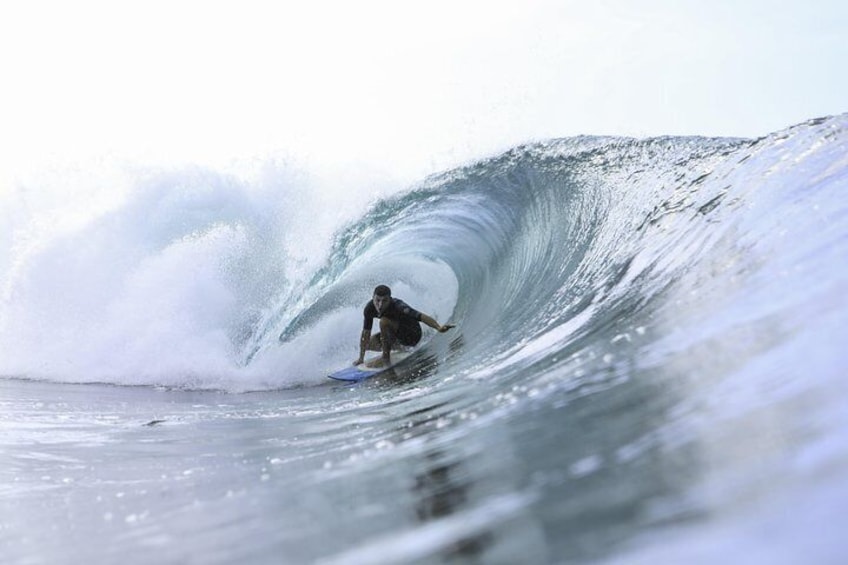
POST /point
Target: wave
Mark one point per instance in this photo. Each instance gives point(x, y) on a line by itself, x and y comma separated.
point(555, 246)
point(548, 257)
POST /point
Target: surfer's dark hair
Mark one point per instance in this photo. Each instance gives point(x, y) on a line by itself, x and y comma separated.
point(382, 290)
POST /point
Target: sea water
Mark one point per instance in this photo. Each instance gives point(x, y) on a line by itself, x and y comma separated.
point(648, 363)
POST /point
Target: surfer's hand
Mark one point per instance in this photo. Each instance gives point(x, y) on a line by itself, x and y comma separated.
point(446, 327)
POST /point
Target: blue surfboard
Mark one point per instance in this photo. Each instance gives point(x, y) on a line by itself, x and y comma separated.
point(354, 374)
point(361, 372)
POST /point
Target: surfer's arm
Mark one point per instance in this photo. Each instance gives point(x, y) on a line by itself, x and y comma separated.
point(363, 345)
point(434, 324)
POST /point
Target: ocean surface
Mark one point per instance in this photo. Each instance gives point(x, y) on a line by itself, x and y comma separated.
point(649, 363)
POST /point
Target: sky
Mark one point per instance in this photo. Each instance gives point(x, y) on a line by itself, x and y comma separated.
point(405, 87)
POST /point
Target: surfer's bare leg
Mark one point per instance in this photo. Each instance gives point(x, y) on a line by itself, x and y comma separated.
point(375, 343)
point(388, 331)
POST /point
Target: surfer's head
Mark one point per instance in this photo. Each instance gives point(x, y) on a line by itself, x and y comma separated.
point(382, 297)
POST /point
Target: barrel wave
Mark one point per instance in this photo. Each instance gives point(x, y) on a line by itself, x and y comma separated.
point(648, 363)
point(602, 245)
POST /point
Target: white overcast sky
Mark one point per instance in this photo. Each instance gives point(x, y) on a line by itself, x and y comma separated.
point(409, 87)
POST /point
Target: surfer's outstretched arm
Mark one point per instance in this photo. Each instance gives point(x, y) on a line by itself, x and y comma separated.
point(434, 324)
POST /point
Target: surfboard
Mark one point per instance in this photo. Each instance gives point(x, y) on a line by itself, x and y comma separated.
point(361, 372)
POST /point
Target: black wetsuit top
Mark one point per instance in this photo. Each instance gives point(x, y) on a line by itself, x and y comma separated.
point(408, 318)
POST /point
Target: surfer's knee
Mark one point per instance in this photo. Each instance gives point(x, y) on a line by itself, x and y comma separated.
point(387, 325)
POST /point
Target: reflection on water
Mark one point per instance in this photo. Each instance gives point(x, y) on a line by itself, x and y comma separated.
point(442, 486)
point(599, 460)
point(441, 492)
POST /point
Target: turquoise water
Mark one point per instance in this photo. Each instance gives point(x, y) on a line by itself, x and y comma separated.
point(648, 364)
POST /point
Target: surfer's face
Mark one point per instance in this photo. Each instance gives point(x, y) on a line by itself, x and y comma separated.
point(381, 302)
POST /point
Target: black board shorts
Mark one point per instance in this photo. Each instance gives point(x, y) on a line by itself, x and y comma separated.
point(409, 334)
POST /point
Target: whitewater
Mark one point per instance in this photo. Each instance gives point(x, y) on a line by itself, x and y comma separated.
point(648, 364)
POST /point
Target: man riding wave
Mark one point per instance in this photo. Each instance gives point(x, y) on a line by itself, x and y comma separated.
point(399, 326)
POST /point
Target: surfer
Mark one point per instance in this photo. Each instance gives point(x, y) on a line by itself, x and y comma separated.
point(399, 325)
